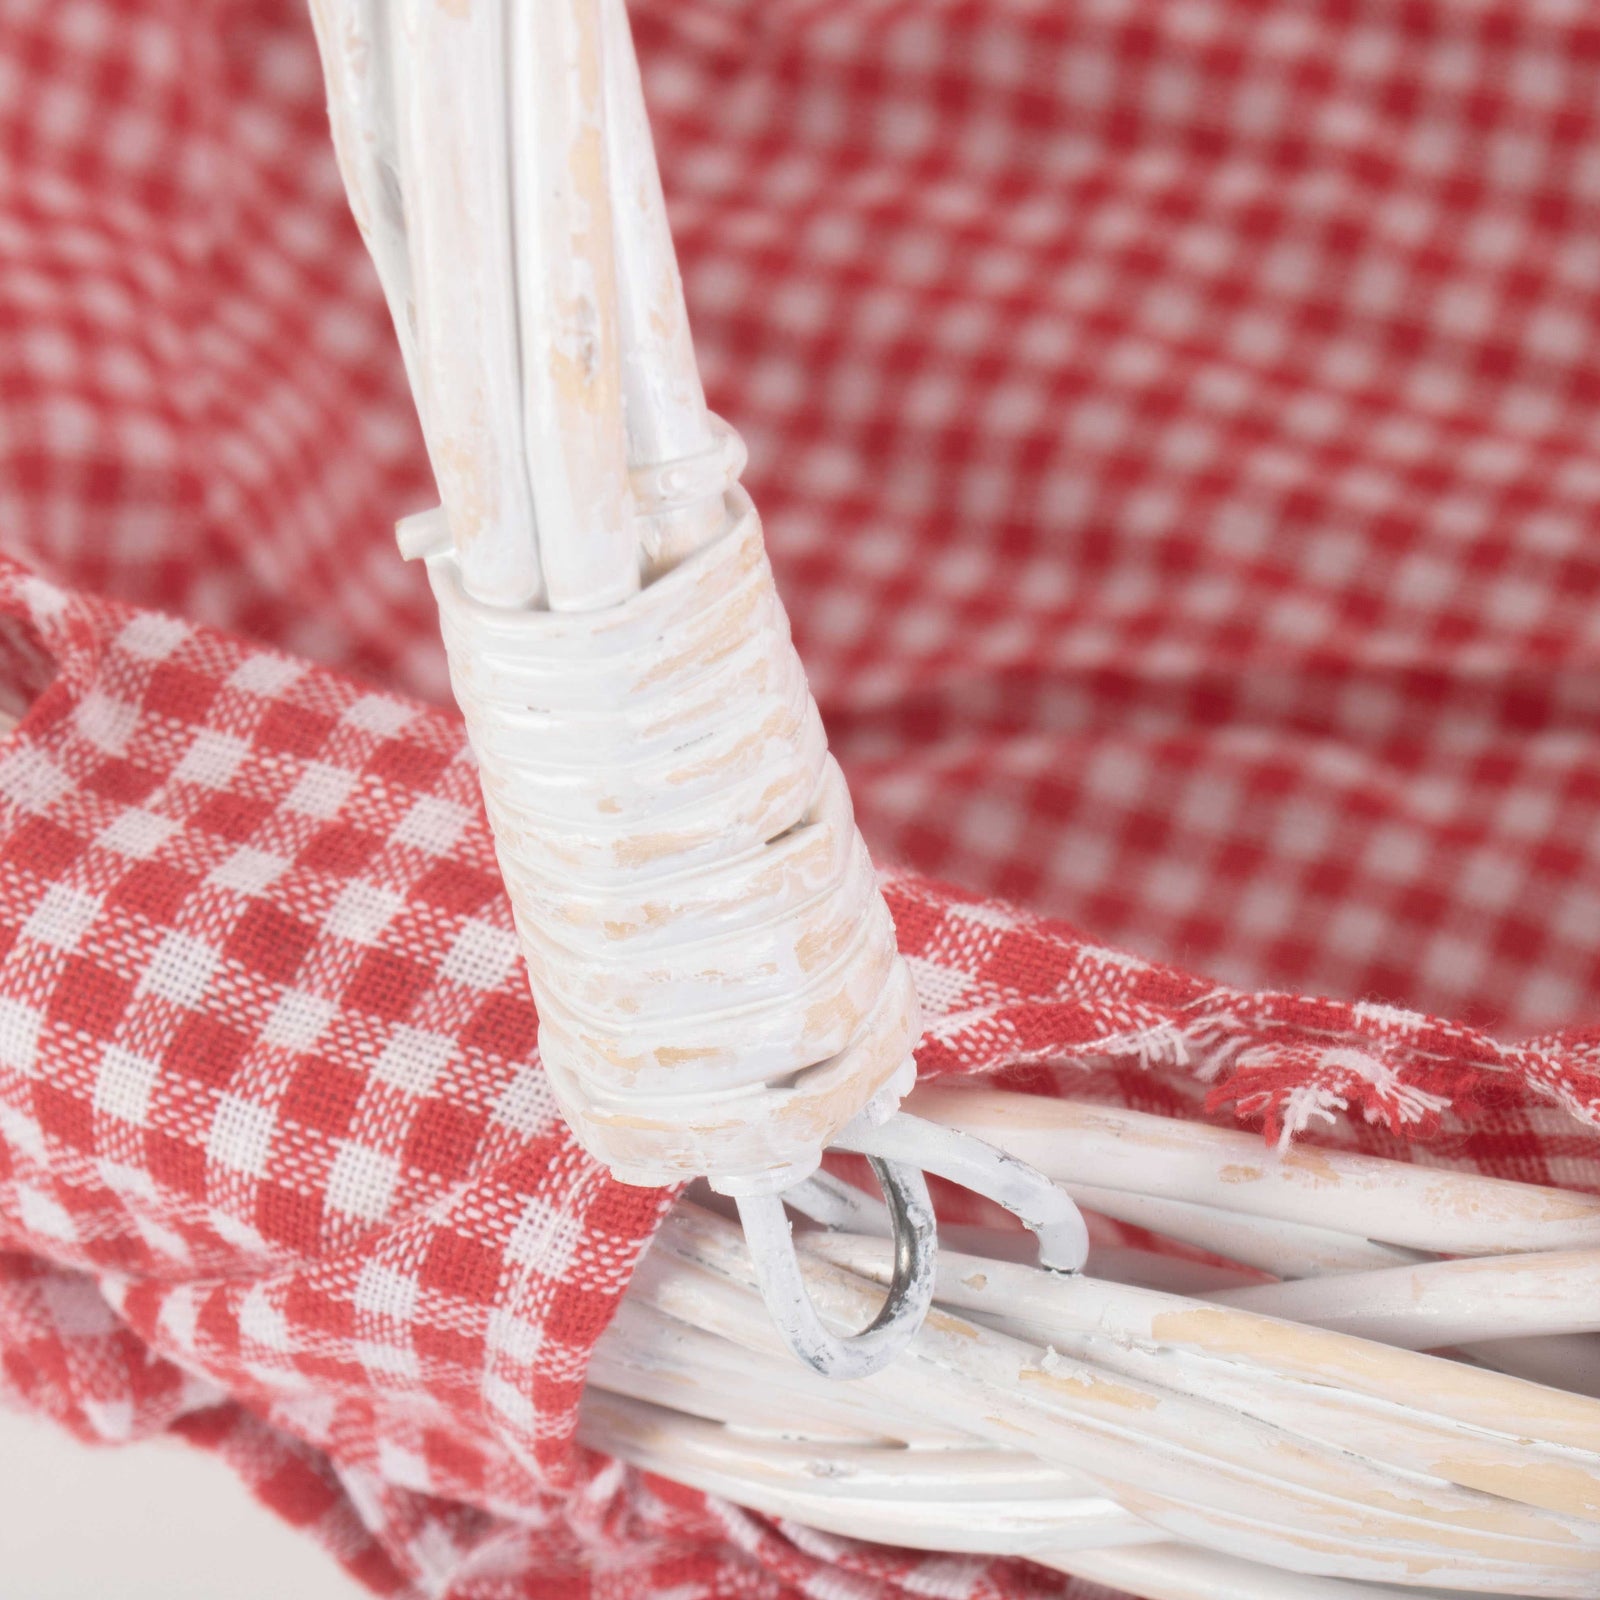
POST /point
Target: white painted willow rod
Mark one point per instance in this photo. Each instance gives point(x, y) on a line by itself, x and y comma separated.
point(427, 167)
point(644, 1355)
point(679, 456)
point(1504, 1437)
point(1271, 1244)
point(1392, 1435)
point(963, 1499)
point(898, 1498)
point(1415, 1412)
point(1205, 1475)
point(1518, 1299)
point(1443, 1302)
point(1419, 1208)
point(1562, 1361)
point(863, 1479)
point(1510, 1440)
point(473, 145)
point(891, 1506)
point(499, 164)
point(358, 63)
point(1501, 1407)
point(566, 275)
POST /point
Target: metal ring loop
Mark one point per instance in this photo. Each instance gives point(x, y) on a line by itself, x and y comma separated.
point(777, 1267)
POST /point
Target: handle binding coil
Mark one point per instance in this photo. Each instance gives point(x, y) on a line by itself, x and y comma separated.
point(718, 985)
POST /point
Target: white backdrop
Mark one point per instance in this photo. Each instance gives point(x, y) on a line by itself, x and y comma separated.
point(154, 1521)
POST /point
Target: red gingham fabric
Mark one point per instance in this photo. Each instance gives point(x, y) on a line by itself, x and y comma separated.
point(1176, 431)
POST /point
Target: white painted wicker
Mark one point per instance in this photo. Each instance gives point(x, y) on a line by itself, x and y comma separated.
point(1156, 1428)
point(720, 995)
point(718, 985)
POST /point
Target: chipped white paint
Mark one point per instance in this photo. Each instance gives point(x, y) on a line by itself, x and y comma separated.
point(567, 304)
point(957, 1499)
point(1413, 1207)
point(427, 167)
point(720, 993)
point(1271, 1456)
point(1234, 1435)
point(718, 986)
point(678, 454)
point(716, 972)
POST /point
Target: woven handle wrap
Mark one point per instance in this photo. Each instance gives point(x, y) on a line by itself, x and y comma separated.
point(718, 986)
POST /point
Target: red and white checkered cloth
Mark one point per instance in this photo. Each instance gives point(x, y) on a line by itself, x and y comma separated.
point(1179, 433)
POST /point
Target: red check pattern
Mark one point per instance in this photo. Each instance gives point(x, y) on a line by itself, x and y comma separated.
point(1175, 430)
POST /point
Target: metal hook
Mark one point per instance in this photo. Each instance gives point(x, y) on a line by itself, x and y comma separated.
point(859, 1355)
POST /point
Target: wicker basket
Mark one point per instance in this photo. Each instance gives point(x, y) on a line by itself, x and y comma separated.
point(721, 998)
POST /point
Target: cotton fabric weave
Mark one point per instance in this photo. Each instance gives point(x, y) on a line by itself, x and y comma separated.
point(1175, 432)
